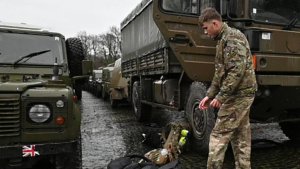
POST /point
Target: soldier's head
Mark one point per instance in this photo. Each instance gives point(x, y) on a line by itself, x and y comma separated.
point(211, 22)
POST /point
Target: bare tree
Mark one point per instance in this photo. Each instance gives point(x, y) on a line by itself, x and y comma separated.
point(95, 45)
point(111, 44)
point(116, 46)
point(104, 48)
point(84, 39)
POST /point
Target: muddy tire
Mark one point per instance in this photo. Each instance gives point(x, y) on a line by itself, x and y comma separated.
point(75, 56)
point(71, 160)
point(142, 112)
point(291, 129)
point(201, 121)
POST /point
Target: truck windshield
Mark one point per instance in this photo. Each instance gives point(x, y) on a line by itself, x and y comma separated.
point(14, 46)
point(180, 6)
point(276, 11)
point(190, 7)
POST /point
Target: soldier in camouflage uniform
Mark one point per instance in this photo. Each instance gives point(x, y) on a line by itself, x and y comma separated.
point(232, 90)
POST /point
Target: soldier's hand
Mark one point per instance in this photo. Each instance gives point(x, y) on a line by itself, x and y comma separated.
point(215, 103)
point(204, 103)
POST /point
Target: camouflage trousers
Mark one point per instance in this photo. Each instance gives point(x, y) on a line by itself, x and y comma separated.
point(232, 125)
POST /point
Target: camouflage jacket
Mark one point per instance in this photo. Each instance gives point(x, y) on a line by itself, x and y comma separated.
point(234, 72)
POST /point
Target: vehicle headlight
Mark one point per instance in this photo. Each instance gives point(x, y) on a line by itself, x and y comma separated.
point(39, 113)
point(60, 104)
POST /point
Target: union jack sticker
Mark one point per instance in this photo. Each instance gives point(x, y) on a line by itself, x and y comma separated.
point(29, 151)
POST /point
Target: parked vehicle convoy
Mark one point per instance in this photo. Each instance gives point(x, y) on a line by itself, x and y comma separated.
point(170, 61)
point(40, 83)
point(88, 85)
point(95, 83)
point(106, 76)
point(118, 91)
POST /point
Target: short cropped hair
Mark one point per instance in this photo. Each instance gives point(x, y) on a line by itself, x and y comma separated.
point(209, 14)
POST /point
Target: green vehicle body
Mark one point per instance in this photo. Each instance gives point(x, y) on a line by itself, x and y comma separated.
point(170, 61)
point(43, 79)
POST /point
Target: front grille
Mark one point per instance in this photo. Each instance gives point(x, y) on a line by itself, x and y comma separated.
point(9, 115)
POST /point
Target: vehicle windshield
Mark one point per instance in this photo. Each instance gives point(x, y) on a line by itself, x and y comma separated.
point(180, 6)
point(14, 46)
point(189, 7)
point(98, 74)
point(276, 11)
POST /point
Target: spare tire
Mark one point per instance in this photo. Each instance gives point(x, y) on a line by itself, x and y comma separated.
point(75, 56)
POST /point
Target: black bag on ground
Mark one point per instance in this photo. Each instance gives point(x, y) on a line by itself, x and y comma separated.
point(172, 165)
point(119, 163)
point(128, 162)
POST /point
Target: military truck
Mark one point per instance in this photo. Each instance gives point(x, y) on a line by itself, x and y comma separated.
point(97, 78)
point(40, 77)
point(118, 89)
point(170, 61)
point(95, 83)
point(106, 76)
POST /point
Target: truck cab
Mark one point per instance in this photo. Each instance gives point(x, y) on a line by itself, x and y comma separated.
point(95, 82)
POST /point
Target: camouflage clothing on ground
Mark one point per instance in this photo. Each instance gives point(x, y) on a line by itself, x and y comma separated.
point(171, 144)
point(234, 85)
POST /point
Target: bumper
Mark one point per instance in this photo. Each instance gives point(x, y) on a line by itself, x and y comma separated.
point(17, 151)
point(281, 80)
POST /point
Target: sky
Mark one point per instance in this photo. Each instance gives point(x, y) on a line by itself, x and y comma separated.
point(68, 17)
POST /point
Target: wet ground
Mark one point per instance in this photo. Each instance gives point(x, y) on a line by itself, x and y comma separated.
point(111, 133)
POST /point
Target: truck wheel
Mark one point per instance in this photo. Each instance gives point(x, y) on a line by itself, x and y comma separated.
point(71, 160)
point(75, 56)
point(142, 111)
point(113, 102)
point(201, 121)
point(291, 129)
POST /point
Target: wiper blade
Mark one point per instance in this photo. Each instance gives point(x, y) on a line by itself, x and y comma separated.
point(27, 57)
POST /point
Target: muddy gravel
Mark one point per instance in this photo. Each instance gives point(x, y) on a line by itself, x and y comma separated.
point(111, 133)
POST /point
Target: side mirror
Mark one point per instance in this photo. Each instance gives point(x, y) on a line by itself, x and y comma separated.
point(87, 67)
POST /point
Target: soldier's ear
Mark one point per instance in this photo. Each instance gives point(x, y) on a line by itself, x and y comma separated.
point(216, 23)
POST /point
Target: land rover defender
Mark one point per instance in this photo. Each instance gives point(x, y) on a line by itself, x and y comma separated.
point(40, 83)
